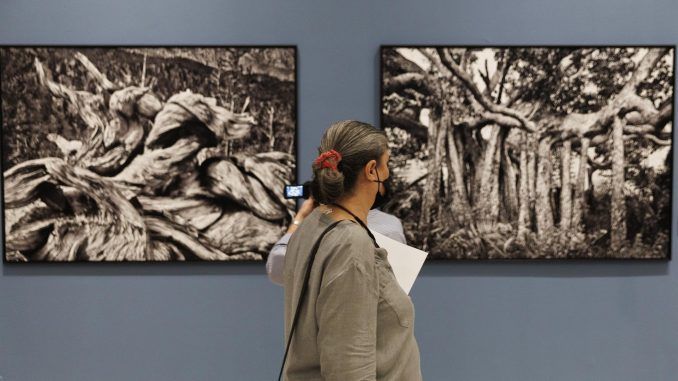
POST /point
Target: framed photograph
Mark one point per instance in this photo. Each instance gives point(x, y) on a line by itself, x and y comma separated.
point(531, 152)
point(146, 154)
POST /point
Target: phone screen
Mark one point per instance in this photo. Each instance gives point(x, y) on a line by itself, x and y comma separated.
point(294, 191)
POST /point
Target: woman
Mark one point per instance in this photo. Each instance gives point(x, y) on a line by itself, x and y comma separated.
point(355, 322)
point(377, 221)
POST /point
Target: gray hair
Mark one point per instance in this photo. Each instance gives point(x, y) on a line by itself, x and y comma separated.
point(358, 143)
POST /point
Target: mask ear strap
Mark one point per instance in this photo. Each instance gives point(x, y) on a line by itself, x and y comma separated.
point(378, 180)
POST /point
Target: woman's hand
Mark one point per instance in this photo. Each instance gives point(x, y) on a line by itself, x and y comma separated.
point(306, 209)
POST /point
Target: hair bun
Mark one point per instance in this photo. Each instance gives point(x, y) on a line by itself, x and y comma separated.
point(352, 145)
point(329, 159)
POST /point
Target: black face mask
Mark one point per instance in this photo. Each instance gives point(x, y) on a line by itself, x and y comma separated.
point(380, 200)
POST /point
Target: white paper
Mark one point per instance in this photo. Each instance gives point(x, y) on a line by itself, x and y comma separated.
point(406, 261)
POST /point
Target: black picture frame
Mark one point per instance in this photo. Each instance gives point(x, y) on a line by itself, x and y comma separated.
point(393, 207)
point(292, 111)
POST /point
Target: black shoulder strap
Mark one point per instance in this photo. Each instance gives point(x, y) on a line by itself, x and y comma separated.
point(367, 230)
point(304, 288)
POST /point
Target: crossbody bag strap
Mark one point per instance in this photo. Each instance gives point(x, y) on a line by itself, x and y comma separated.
point(367, 230)
point(302, 294)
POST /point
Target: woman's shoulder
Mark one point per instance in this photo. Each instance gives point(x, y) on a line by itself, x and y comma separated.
point(347, 231)
point(351, 233)
point(348, 244)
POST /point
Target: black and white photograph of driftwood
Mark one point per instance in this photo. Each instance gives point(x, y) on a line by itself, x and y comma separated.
point(531, 152)
point(146, 153)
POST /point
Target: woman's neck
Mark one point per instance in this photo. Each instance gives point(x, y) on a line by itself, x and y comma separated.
point(355, 205)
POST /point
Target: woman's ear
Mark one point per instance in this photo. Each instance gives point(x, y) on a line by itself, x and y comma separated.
point(371, 170)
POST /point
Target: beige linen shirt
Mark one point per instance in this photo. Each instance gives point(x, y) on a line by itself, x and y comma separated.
point(356, 323)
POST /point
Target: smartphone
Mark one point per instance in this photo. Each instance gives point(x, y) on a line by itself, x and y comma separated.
point(297, 191)
point(294, 191)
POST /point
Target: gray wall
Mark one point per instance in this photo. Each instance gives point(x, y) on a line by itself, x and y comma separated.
point(484, 321)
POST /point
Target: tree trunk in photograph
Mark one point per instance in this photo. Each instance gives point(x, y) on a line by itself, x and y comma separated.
point(531, 146)
point(524, 212)
point(618, 208)
point(566, 186)
point(461, 209)
point(466, 165)
point(445, 197)
point(488, 196)
point(510, 185)
point(432, 186)
point(472, 152)
point(578, 209)
point(479, 154)
point(495, 179)
point(543, 188)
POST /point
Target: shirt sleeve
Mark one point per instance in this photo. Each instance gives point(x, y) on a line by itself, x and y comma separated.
point(386, 224)
point(346, 312)
point(275, 264)
point(392, 228)
point(399, 234)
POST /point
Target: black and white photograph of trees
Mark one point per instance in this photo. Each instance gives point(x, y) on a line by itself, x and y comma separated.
point(146, 153)
point(531, 152)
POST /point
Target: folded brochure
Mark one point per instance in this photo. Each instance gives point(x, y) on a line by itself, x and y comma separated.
point(406, 261)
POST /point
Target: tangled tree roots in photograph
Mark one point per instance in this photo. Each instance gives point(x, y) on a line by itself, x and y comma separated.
point(97, 168)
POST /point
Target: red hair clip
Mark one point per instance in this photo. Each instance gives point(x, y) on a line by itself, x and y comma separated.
point(329, 159)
